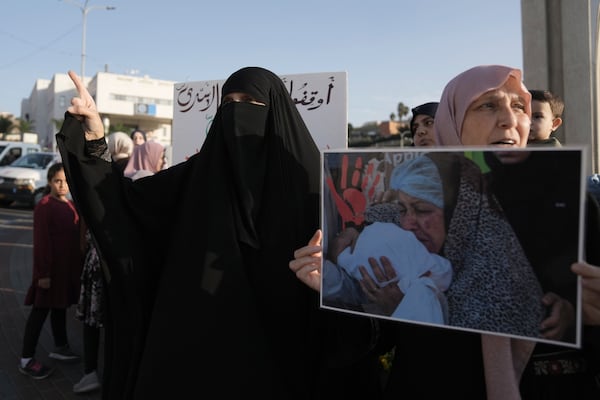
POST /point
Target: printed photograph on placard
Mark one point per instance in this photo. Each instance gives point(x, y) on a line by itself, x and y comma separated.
point(450, 238)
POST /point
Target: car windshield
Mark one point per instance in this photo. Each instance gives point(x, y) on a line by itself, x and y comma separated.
point(33, 160)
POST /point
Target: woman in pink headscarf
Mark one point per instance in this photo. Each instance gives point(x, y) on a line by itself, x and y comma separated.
point(485, 105)
point(147, 159)
point(488, 105)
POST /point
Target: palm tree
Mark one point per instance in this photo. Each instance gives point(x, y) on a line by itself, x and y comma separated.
point(24, 125)
point(402, 110)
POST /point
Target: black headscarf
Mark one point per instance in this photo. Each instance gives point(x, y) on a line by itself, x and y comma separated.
point(424, 109)
point(133, 132)
point(205, 245)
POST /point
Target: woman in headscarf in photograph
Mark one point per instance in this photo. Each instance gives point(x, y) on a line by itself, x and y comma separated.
point(442, 198)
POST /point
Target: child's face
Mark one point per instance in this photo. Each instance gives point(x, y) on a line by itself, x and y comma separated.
point(543, 122)
point(58, 185)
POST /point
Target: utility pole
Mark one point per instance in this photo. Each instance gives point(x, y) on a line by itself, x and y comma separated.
point(85, 9)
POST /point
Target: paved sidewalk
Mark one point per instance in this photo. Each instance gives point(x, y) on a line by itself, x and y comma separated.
point(16, 238)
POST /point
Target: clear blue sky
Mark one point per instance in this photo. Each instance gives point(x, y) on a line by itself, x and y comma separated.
point(392, 50)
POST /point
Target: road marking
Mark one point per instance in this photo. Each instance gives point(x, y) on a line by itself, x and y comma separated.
point(16, 244)
point(23, 227)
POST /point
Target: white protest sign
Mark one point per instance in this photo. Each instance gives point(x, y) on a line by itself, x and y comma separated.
point(321, 98)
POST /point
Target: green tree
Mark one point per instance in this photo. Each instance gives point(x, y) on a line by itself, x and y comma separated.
point(402, 110)
point(6, 124)
point(120, 127)
point(392, 117)
point(24, 125)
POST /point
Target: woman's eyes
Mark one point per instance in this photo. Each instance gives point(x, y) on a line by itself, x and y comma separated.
point(487, 106)
point(519, 106)
point(416, 211)
point(493, 105)
point(246, 99)
point(423, 211)
point(242, 100)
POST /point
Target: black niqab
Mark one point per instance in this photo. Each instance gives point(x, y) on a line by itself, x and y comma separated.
point(201, 296)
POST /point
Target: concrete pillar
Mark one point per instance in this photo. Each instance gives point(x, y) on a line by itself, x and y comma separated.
point(559, 54)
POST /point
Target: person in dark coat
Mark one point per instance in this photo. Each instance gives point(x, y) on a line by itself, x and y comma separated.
point(200, 299)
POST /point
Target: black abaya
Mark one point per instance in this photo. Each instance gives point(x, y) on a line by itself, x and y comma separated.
point(201, 299)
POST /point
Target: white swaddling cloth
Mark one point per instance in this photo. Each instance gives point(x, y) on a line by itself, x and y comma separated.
point(423, 295)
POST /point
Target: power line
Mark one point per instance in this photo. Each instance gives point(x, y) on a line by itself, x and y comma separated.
point(38, 48)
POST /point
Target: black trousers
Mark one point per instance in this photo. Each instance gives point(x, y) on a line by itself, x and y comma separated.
point(35, 323)
point(91, 345)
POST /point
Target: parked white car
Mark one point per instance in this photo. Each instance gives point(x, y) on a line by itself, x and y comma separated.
point(25, 179)
point(10, 151)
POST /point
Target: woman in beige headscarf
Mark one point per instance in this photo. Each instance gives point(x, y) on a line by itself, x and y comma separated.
point(120, 147)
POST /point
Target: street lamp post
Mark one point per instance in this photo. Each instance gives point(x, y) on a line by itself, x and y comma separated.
point(85, 9)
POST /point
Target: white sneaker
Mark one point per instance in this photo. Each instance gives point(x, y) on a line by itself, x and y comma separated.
point(64, 354)
point(88, 383)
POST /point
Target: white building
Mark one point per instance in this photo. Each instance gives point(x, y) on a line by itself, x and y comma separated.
point(124, 102)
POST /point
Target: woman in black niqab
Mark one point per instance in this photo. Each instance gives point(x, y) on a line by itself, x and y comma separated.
point(200, 296)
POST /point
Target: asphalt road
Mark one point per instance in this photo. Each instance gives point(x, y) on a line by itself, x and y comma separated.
point(16, 246)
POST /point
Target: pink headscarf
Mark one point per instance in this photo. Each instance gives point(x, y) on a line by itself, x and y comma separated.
point(465, 88)
point(145, 157)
